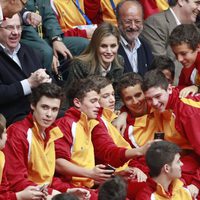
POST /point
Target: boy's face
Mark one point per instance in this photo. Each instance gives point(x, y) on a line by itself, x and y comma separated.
point(46, 111)
point(3, 139)
point(157, 97)
point(107, 97)
point(168, 75)
point(89, 104)
point(184, 54)
point(134, 99)
point(175, 168)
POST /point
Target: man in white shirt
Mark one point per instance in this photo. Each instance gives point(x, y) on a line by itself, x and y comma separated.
point(158, 27)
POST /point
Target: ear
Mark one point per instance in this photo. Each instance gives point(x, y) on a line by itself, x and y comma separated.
point(169, 89)
point(198, 47)
point(77, 102)
point(166, 168)
point(180, 2)
point(32, 107)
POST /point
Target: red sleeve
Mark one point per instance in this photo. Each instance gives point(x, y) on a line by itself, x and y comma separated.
point(105, 149)
point(63, 145)
point(75, 32)
point(5, 192)
point(59, 185)
point(16, 154)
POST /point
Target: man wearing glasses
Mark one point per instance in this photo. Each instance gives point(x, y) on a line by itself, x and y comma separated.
point(20, 70)
point(9, 7)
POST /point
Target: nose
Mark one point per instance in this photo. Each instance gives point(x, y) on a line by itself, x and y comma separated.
point(181, 164)
point(108, 49)
point(112, 99)
point(133, 25)
point(154, 102)
point(180, 58)
point(135, 100)
point(97, 105)
point(49, 113)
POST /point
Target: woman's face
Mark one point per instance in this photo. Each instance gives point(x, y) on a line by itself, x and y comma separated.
point(107, 50)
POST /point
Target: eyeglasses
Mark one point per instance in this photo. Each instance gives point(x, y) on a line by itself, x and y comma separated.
point(24, 2)
point(12, 28)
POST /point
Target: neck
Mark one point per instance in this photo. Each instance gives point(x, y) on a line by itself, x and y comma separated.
point(177, 12)
point(164, 181)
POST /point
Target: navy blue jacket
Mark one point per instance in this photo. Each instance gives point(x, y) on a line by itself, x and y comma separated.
point(145, 58)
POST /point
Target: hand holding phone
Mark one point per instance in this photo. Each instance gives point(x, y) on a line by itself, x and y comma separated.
point(42, 187)
point(159, 135)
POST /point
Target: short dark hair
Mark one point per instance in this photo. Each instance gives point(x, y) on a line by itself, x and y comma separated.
point(172, 3)
point(65, 196)
point(113, 189)
point(128, 79)
point(79, 89)
point(2, 125)
point(101, 81)
point(163, 63)
point(154, 78)
point(159, 154)
point(121, 3)
point(50, 90)
point(185, 33)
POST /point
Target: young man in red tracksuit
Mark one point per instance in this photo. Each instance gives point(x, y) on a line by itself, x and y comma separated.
point(161, 96)
point(163, 160)
point(30, 149)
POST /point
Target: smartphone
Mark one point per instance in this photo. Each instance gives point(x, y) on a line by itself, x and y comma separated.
point(159, 135)
point(41, 187)
point(110, 167)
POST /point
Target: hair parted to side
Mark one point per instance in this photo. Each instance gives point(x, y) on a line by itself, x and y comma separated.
point(154, 78)
point(163, 63)
point(2, 124)
point(113, 189)
point(185, 33)
point(50, 90)
point(92, 51)
point(79, 88)
point(101, 81)
point(159, 154)
point(127, 80)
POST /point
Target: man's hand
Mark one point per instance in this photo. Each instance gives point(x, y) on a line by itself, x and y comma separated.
point(33, 19)
point(59, 47)
point(81, 193)
point(38, 77)
point(31, 192)
point(55, 64)
point(193, 89)
point(193, 190)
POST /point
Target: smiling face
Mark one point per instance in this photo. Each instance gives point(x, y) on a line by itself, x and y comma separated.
point(107, 97)
point(131, 21)
point(184, 54)
point(10, 32)
point(134, 99)
point(157, 97)
point(45, 111)
point(189, 11)
point(108, 50)
point(89, 104)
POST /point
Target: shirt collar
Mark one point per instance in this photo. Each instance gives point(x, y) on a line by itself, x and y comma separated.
point(7, 51)
point(105, 71)
point(176, 18)
point(125, 43)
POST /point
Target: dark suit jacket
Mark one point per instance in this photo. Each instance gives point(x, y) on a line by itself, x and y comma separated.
point(144, 60)
point(13, 104)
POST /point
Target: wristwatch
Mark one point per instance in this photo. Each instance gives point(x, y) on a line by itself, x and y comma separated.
point(56, 38)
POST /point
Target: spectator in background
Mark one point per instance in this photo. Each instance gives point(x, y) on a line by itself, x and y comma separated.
point(48, 38)
point(158, 27)
point(163, 160)
point(65, 196)
point(113, 189)
point(72, 17)
point(136, 52)
point(20, 71)
point(9, 7)
point(100, 57)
